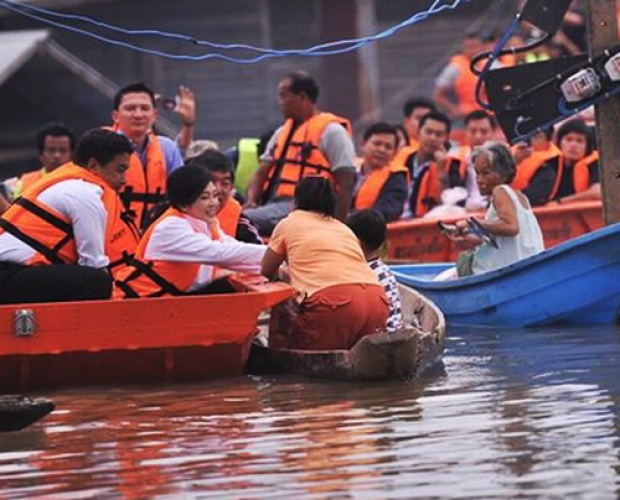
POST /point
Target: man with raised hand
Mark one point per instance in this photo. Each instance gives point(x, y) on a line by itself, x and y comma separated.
point(154, 157)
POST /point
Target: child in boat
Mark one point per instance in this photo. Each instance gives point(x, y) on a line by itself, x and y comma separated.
point(183, 251)
point(371, 230)
point(340, 300)
point(512, 229)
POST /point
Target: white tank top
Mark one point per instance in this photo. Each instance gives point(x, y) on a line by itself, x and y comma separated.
point(528, 241)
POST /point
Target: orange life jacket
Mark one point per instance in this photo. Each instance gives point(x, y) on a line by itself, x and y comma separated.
point(29, 178)
point(581, 172)
point(400, 160)
point(229, 216)
point(297, 155)
point(50, 233)
point(372, 185)
point(146, 184)
point(414, 144)
point(456, 167)
point(156, 278)
point(427, 193)
point(528, 167)
point(426, 188)
point(465, 85)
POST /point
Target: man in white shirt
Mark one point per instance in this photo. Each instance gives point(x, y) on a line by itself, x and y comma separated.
point(57, 241)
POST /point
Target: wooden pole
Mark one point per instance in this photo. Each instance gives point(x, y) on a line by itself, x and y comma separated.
point(603, 34)
point(339, 73)
point(370, 104)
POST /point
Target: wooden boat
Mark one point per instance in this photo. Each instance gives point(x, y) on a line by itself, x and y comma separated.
point(577, 281)
point(418, 240)
point(404, 354)
point(132, 341)
point(18, 412)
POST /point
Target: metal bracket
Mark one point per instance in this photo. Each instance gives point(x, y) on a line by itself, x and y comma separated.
point(25, 323)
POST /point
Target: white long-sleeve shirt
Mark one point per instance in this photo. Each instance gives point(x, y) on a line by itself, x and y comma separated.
point(80, 202)
point(187, 239)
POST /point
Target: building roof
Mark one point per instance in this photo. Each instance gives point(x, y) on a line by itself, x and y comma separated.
point(41, 82)
point(17, 48)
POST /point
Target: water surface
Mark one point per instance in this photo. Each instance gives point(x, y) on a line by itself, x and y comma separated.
point(513, 414)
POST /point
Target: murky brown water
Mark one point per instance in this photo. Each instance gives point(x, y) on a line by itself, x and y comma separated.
point(520, 414)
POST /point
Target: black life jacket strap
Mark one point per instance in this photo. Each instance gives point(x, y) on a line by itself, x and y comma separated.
point(43, 214)
point(49, 253)
point(146, 269)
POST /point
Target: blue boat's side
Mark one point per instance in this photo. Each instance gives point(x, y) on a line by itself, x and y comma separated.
point(577, 282)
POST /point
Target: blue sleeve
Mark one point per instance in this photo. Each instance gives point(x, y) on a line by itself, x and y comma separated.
point(172, 154)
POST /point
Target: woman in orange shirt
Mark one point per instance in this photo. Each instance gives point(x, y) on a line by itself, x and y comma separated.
point(339, 298)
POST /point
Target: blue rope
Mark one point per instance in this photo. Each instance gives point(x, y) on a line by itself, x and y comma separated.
point(330, 48)
point(501, 43)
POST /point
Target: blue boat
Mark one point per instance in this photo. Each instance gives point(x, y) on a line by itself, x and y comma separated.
point(575, 282)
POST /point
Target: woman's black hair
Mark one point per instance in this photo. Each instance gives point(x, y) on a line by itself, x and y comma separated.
point(186, 184)
point(576, 126)
point(102, 145)
point(316, 194)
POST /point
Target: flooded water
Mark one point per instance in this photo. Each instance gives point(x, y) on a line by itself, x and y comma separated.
point(513, 414)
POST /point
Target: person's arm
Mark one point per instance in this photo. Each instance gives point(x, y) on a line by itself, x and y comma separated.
point(442, 164)
point(271, 264)
point(175, 240)
point(593, 193)
point(255, 186)
point(461, 234)
point(507, 223)
point(392, 197)
point(186, 109)
point(344, 183)
point(338, 148)
point(540, 187)
point(81, 203)
point(444, 87)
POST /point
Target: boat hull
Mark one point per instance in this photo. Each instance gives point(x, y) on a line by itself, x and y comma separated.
point(381, 356)
point(576, 282)
point(418, 240)
point(133, 341)
point(18, 412)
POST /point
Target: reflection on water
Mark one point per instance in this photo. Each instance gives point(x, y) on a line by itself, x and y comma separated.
point(530, 413)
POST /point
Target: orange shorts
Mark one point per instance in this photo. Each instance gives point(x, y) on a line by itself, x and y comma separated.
point(333, 318)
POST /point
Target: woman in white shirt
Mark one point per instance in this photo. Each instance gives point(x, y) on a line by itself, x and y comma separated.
point(510, 222)
point(185, 250)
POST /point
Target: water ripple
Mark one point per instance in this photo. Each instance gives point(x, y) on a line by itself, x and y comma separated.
point(528, 414)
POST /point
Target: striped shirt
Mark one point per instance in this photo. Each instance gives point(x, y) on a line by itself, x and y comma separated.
point(387, 280)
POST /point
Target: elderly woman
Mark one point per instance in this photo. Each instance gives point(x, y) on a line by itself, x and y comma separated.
point(339, 298)
point(512, 229)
